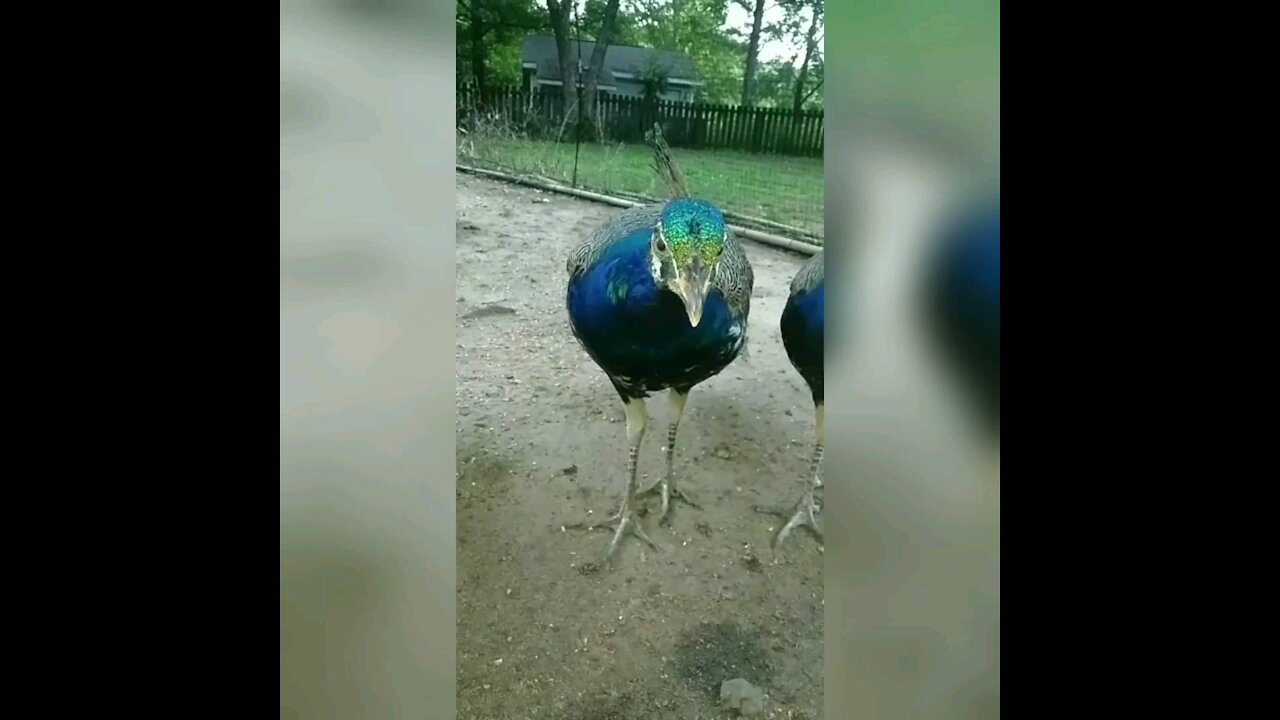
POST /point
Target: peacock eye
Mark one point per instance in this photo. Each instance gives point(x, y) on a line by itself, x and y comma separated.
point(662, 246)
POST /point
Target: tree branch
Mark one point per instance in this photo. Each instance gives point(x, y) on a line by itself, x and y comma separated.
point(805, 99)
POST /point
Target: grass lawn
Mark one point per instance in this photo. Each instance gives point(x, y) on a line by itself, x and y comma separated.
point(782, 189)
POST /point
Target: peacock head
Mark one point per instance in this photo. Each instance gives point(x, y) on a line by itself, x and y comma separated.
point(686, 245)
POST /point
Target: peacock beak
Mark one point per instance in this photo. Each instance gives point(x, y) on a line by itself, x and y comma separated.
point(691, 285)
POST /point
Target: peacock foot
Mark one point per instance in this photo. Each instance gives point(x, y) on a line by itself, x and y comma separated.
point(622, 522)
point(804, 512)
point(666, 488)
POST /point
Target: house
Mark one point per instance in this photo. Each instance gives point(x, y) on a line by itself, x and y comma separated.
point(625, 65)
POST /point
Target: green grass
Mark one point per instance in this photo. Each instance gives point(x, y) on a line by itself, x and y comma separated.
point(787, 190)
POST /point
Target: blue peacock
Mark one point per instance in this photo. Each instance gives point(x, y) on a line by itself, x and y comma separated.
point(803, 334)
point(962, 291)
point(659, 298)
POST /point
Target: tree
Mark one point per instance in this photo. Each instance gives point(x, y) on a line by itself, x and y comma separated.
point(774, 82)
point(603, 38)
point(559, 11)
point(486, 28)
point(624, 24)
point(810, 55)
point(583, 118)
point(695, 28)
point(753, 48)
point(654, 81)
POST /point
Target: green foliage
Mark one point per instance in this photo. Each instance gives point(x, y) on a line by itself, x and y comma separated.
point(504, 64)
point(694, 27)
point(775, 81)
point(797, 21)
point(624, 29)
point(654, 77)
point(503, 24)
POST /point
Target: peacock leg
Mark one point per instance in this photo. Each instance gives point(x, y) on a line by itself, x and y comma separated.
point(626, 518)
point(806, 511)
point(667, 485)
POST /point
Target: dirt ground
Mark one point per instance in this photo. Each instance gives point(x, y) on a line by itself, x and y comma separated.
point(545, 632)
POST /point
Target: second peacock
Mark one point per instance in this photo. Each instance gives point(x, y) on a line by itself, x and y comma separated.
point(803, 326)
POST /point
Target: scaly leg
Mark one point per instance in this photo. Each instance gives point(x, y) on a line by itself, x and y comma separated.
point(804, 512)
point(637, 419)
point(667, 485)
point(818, 413)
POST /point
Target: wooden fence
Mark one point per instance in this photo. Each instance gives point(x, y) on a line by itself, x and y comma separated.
point(624, 118)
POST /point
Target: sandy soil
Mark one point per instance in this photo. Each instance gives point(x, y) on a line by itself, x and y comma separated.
point(544, 632)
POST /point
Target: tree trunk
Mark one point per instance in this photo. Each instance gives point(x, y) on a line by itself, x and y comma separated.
point(810, 45)
point(603, 38)
point(753, 54)
point(479, 74)
point(559, 12)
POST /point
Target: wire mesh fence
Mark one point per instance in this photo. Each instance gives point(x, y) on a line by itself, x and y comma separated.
point(775, 192)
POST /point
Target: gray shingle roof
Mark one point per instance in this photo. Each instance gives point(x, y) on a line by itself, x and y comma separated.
point(541, 49)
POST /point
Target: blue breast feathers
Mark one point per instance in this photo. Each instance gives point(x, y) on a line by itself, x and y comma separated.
point(638, 333)
point(810, 307)
point(969, 272)
point(964, 301)
point(803, 326)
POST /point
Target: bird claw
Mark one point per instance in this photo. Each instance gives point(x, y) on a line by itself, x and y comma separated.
point(667, 490)
point(594, 525)
point(804, 512)
point(626, 521)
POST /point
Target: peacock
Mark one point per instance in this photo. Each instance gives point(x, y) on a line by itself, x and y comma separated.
point(659, 298)
point(962, 291)
point(802, 325)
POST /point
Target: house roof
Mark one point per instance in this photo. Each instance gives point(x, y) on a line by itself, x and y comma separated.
point(623, 60)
